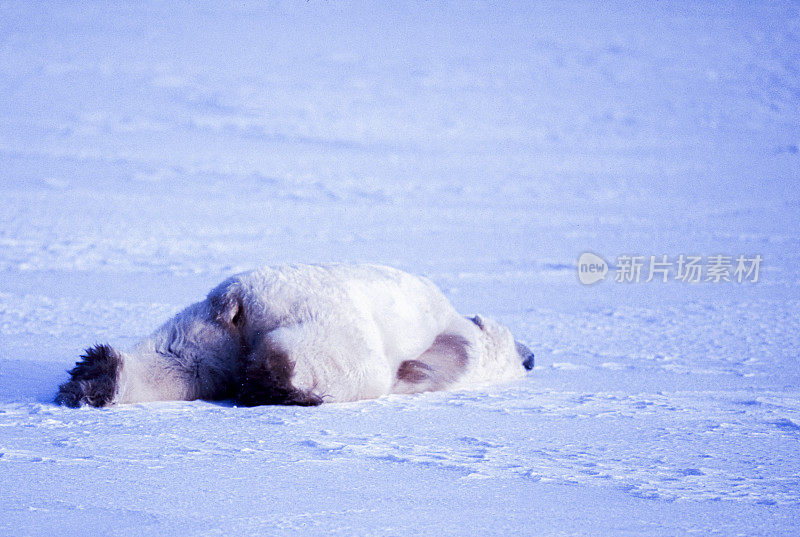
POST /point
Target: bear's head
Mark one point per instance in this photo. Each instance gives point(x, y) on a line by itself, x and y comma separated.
point(503, 343)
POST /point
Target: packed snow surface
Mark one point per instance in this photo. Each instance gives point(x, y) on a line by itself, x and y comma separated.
point(149, 150)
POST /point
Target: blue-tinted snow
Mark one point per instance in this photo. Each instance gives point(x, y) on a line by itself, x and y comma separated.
point(148, 150)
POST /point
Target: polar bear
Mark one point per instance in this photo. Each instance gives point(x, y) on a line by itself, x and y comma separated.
point(303, 335)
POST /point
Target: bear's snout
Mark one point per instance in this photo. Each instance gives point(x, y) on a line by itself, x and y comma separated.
point(526, 355)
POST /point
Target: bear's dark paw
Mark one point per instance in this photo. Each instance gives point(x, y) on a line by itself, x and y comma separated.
point(93, 380)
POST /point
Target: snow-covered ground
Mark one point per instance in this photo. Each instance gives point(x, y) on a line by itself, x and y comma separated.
point(148, 150)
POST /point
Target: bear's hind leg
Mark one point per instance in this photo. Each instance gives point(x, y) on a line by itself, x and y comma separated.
point(266, 379)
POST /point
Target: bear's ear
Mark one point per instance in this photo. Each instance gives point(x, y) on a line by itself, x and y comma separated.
point(227, 308)
point(478, 320)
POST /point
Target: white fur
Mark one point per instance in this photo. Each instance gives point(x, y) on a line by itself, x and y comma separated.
point(346, 329)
